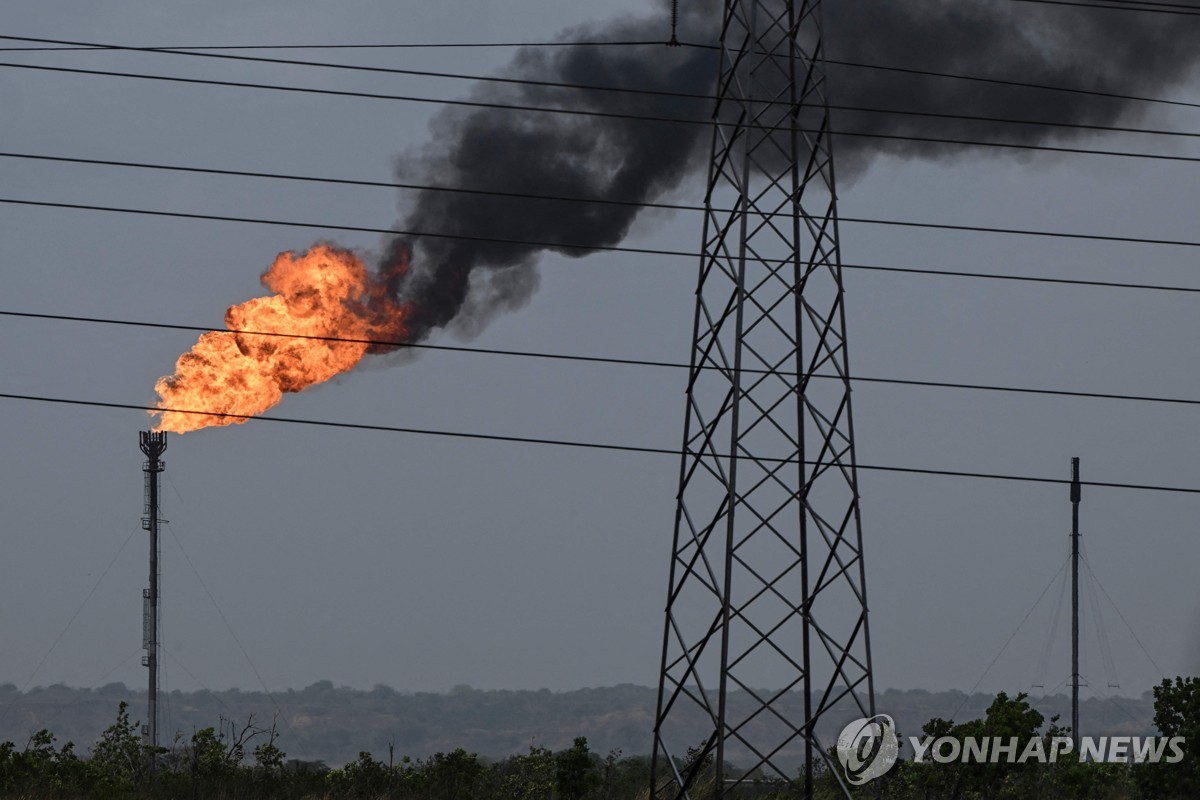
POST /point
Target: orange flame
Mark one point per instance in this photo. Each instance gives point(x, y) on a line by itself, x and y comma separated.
point(325, 292)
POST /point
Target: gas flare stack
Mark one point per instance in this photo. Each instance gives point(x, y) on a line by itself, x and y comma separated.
point(153, 445)
point(767, 586)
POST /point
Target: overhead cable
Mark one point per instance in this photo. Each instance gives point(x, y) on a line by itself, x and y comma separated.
point(595, 445)
point(399, 344)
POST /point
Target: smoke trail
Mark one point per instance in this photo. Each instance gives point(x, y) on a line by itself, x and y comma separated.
point(549, 154)
point(1108, 51)
point(464, 283)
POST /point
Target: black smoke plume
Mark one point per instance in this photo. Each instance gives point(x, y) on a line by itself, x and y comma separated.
point(463, 282)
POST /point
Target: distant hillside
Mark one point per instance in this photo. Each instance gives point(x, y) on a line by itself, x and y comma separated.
point(333, 724)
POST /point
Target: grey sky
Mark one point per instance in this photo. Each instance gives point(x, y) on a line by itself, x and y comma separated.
point(424, 562)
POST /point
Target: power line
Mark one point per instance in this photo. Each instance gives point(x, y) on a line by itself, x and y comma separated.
point(1014, 83)
point(387, 343)
point(1013, 121)
point(576, 245)
point(591, 113)
point(374, 69)
point(356, 182)
point(1022, 278)
point(1157, 9)
point(1021, 232)
point(1149, 3)
point(641, 251)
point(383, 46)
point(1011, 389)
point(352, 228)
point(597, 87)
point(1152, 3)
point(565, 198)
point(1043, 148)
point(838, 62)
point(539, 197)
point(593, 359)
point(347, 93)
point(542, 197)
point(588, 445)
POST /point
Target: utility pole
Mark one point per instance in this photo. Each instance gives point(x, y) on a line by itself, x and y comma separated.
point(153, 445)
point(1075, 495)
point(767, 586)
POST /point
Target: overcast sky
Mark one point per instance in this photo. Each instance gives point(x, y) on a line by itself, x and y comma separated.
point(422, 562)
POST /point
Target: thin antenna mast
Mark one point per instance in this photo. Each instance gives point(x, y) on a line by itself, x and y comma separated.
point(1075, 496)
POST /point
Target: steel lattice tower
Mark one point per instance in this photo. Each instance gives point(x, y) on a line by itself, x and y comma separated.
point(767, 586)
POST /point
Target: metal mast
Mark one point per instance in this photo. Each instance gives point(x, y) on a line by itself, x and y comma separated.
point(152, 444)
point(1075, 496)
point(767, 586)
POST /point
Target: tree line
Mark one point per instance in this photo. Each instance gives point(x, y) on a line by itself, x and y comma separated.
point(232, 760)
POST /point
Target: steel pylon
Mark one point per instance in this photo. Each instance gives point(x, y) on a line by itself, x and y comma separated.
point(767, 584)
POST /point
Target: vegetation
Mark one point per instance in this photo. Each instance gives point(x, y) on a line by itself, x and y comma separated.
point(233, 761)
point(244, 761)
point(334, 724)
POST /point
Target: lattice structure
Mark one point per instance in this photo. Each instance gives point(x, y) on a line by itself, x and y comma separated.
point(767, 586)
point(153, 445)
